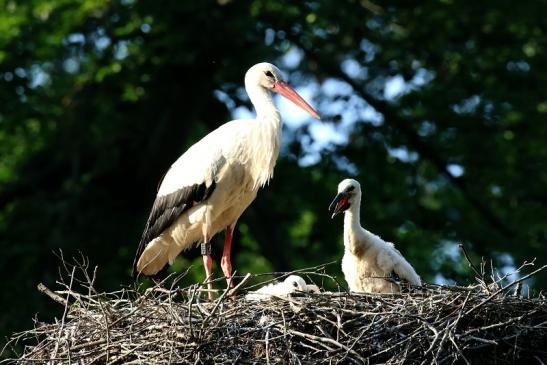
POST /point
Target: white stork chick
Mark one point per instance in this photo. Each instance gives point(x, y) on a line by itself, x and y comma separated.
point(290, 285)
point(208, 188)
point(369, 261)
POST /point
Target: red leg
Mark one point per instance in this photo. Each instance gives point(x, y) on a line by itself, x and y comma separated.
point(225, 261)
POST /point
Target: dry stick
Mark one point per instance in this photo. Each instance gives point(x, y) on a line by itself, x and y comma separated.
point(267, 338)
point(210, 314)
point(335, 324)
point(64, 316)
point(471, 264)
point(439, 349)
point(115, 360)
point(238, 286)
point(484, 340)
point(451, 337)
point(450, 326)
point(56, 298)
point(517, 270)
point(436, 334)
point(190, 302)
point(225, 293)
point(355, 342)
point(501, 324)
point(504, 288)
point(329, 341)
point(173, 314)
point(131, 312)
point(105, 316)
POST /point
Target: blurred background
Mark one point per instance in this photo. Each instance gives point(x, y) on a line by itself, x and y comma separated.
point(438, 108)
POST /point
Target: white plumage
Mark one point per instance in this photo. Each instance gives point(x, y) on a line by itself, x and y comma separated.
point(368, 261)
point(292, 284)
point(208, 188)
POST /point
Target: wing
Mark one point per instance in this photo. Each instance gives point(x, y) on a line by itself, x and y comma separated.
point(167, 208)
point(202, 162)
point(404, 270)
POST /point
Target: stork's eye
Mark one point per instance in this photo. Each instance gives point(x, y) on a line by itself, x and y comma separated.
point(295, 284)
point(269, 74)
point(351, 188)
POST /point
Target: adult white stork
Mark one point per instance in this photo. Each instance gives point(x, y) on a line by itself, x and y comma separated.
point(214, 181)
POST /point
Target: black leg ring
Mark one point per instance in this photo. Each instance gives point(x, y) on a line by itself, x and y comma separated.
point(206, 249)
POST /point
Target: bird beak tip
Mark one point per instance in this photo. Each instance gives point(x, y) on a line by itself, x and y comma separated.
point(315, 114)
point(290, 93)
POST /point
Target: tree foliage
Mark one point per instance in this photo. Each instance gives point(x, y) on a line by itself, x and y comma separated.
point(437, 107)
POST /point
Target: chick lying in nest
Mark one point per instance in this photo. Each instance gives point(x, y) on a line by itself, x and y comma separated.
point(292, 284)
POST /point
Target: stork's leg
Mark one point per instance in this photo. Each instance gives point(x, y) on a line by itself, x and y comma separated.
point(225, 262)
point(207, 263)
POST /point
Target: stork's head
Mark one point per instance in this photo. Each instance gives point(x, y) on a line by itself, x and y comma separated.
point(269, 77)
point(264, 74)
point(349, 193)
point(294, 283)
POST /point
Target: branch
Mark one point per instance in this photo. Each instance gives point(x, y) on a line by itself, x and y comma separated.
point(471, 264)
point(504, 288)
point(56, 298)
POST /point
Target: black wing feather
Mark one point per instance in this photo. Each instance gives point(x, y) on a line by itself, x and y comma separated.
point(165, 211)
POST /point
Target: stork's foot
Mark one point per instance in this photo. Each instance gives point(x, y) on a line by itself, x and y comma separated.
point(227, 270)
point(229, 282)
point(231, 293)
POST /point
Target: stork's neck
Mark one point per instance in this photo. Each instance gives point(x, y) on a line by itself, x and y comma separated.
point(352, 216)
point(266, 135)
point(352, 227)
point(264, 105)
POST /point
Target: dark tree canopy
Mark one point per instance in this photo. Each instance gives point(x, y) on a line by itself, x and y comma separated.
point(438, 108)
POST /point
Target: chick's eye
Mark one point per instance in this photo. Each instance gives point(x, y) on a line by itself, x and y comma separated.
point(295, 284)
point(269, 74)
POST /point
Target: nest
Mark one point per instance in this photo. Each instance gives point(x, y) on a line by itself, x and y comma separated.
point(432, 324)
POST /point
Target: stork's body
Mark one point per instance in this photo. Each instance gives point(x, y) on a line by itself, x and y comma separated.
point(208, 188)
point(229, 185)
point(369, 262)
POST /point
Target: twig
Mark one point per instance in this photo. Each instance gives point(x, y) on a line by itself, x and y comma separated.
point(329, 341)
point(56, 298)
point(238, 286)
point(470, 263)
point(504, 288)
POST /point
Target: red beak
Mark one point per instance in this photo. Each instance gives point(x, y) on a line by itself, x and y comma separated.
point(339, 204)
point(287, 91)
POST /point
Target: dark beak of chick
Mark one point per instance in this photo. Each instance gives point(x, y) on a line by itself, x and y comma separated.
point(339, 204)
